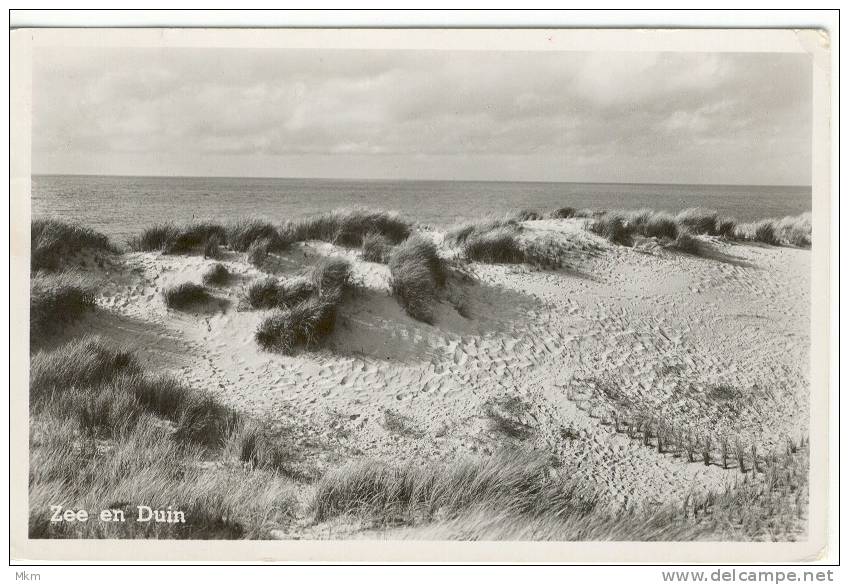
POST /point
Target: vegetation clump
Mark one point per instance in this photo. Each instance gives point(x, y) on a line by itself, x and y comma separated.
point(53, 242)
point(417, 276)
point(376, 248)
point(216, 275)
point(57, 299)
point(184, 295)
point(349, 227)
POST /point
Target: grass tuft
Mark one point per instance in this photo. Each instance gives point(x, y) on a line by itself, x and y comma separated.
point(216, 275)
point(305, 324)
point(376, 248)
point(349, 227)
point(54, 241)
point(184, 295)
point(243, 233)
point(57, 299)
point(698, 220)
point(417, 274)
point(563, 213)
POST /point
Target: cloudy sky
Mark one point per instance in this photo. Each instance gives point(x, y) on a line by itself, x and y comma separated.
point(565, 116)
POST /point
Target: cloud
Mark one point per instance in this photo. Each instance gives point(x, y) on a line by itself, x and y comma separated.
point(643, 115)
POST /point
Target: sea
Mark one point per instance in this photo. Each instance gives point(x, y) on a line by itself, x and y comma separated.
point(122, 206)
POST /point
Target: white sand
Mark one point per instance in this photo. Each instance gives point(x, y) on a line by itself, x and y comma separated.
point(662, 327)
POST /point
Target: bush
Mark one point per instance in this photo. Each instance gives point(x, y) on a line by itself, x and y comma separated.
point(57, 299)
point(417, 274)
point(217, 274)
point(563, 213)
point(349, 227)
point(184, 295)
point(698, 220)
point(243, 233)
point(304, 324)
point(53, 241)
point(376, 248)
point(611, 226)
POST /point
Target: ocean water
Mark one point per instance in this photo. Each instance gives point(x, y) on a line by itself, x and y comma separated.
point(123, 206)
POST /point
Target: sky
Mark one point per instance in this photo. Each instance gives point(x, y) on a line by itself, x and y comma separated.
point(617, 117)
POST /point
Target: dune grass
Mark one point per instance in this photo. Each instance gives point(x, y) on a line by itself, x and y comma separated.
point(563, 213)
point(376, 248)
point(458, 235)
point(258, 251)
point(349, 227)
point(306, 307)
point(53, 242)
point(104, 434)
point(417, 276)
point(304, 324)
point(789, 230)
point(184, 295)
point(519, 482)
point(698, 220)
point(216, 275)
point(57, 299)
point(685, 242)
point(504, 246)
point(271, 292)
point(243, 233)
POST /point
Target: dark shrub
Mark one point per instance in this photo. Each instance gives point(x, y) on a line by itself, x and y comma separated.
point(184, 295)
point(217, 274)
point(56, 300)
point(53, 241)
point(193, 236)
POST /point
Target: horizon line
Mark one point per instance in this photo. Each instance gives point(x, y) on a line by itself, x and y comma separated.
point(415, 180)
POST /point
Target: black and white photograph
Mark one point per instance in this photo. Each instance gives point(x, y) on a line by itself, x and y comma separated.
point(422, 290)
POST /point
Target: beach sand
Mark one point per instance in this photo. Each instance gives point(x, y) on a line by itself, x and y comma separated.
point(716, 344)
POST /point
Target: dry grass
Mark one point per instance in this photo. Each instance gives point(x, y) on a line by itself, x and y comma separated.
point(258, 251)
point(376, 248)
point(305, 324)
point(271, 292)
point(184, 295)
point(698, 220)
point(418, 274)
point(53, 242)
point(243, 233)
point(106, 435)
point(56, 300)
point(458, 235)
point(349, 227)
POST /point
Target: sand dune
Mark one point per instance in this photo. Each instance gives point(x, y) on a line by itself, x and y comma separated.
point(716, 345)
